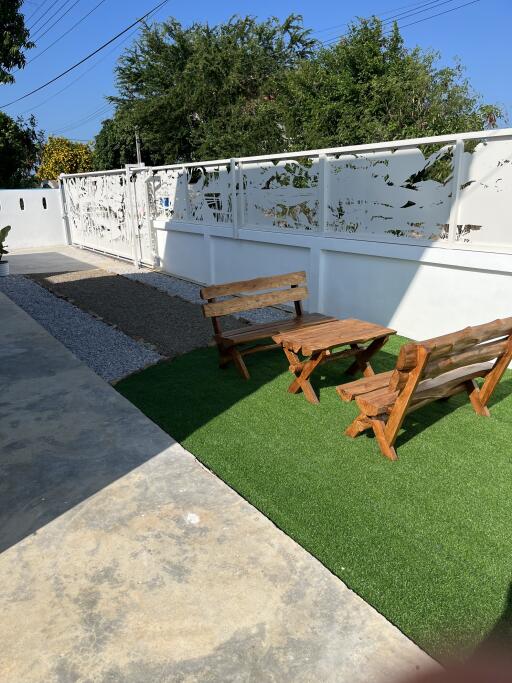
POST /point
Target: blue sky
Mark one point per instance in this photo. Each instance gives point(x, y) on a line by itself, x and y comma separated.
point(479, 34)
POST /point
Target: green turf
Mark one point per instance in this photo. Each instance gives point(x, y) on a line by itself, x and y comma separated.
point(426, 540)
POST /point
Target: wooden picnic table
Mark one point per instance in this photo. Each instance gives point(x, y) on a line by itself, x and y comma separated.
point(315, 344)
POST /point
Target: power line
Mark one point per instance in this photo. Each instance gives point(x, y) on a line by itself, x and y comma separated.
point(91, 54)
point(95, 114)
point(32, 26)
point(37, 9)
point(418, 21)
point(440, 13)
point(41, 35)
point(385, 14)
point(77, 23)
point(432, 4)
point(84, 73)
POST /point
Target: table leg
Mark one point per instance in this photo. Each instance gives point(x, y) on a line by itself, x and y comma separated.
point(362, 360)
point(301, 380)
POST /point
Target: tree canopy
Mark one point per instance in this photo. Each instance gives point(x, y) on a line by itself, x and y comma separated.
point(60, 155)
point(15, 39)
point(20, 144)
point(247, 87)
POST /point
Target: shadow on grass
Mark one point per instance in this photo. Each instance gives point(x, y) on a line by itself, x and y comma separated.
point(501, 633)
point(226, 388)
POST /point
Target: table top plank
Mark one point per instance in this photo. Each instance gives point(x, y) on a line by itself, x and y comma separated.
point(328, 335)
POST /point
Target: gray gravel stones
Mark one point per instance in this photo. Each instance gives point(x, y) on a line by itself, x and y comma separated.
point(106, 350)
point(169, 284)
point(169, 323)
point(190, 292)
point(141, 326)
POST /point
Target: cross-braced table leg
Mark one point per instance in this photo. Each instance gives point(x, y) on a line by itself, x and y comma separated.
point(362, 360)
point(303, 371)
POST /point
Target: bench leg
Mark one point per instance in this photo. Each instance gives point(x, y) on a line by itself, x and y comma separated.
point(474, 396)
point(380, 434)
point(224, 356)
point(230, 354)
point(358, 426)
point(239, 363)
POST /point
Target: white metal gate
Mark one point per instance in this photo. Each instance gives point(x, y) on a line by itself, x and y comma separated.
point(109, 212)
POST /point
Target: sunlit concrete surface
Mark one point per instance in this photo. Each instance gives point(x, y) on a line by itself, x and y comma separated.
point(123, 559)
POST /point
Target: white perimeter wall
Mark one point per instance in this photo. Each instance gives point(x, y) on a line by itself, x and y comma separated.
point(33, 225)
point(420, 291)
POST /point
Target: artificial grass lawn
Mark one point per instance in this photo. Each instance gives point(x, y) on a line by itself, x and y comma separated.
point(426, 540)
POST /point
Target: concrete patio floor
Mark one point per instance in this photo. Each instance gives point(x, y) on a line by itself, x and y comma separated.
point(124, 559)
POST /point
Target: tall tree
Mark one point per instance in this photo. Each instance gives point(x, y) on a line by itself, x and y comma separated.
point(14, 39)
point(20, 144)
point(247, 88)
point(369, 87)
point(180, 86)
point(114, 146)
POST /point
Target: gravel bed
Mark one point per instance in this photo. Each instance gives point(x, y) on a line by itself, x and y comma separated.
point(106, 350)
point(189, 291)
point(169, 323)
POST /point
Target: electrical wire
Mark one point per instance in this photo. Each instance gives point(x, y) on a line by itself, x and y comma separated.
point(418, 21)
point(77, 23)
point(84, 73)
point(425, 6)
point(95, 114)
point(38, 7)
point(41, 35)
point(55, 2)
point(87, 57)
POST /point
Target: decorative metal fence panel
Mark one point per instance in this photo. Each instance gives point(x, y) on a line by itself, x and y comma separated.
point(439, 191)
point(281, 195)
point(485, 194)
point(110, 212)
point(402, 194)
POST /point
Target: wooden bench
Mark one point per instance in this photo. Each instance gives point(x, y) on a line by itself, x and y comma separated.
point(234, 344)
point(428, 371)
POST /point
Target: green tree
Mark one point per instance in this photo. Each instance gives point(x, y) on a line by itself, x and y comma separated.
point(20, 144)
point(114, 146)
point(246, 88)
point(369, 87)
point(15, 39)
point(181, 86)
point(60, 155)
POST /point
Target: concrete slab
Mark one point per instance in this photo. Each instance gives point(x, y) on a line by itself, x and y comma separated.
point(26, 262)
point(63, 258)
point(126, 560)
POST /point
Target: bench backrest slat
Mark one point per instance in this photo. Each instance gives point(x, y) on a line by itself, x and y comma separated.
point(471, 349)
point(478, 353)
point(440, 347)
point(255, 285)
point(247, 303)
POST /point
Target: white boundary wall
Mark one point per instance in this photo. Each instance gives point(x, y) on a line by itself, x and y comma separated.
point(35, 218)
point(420, 291)
point(415, 234)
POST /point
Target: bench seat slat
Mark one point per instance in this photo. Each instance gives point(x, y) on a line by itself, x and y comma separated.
point(350, 390)
point(255, 332)
point(381, 401)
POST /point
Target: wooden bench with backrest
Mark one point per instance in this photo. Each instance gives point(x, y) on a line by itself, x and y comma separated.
point(428, 371)
point(277, 289)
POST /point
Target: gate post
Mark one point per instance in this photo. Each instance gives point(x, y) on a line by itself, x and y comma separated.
point(149, 214)
point(63, 210)
point(130, 214)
